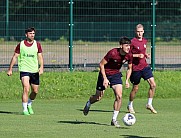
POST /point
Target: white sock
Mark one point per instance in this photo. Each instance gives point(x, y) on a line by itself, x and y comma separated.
point(88, 103)
point(115, 115)
point(150, 101)
point(25, 106)
point(130, 104)
point(30, 102)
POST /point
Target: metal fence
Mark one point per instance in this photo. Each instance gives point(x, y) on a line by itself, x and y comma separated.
point(97, 26)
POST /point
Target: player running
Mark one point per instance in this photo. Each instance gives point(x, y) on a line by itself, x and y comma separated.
point(30, 63)
point(141, 69)
point(110, 74)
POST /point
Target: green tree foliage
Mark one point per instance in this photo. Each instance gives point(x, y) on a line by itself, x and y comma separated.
point(97, 10)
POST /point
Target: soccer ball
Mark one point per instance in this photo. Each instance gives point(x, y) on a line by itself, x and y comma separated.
point(129, 119)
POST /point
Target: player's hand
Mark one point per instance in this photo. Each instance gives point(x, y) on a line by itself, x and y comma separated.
point(127, 84)
point(40, 71)
point(148, 55)
point(106, 83)
point(141, 55)
point(9, 73)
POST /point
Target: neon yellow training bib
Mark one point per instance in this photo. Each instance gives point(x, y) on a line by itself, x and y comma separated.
point(28, 58)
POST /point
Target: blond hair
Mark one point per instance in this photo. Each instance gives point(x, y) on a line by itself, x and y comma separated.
point(139, 26)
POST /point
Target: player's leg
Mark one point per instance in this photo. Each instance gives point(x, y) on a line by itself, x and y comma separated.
point(133, 92)
point(26, 87)
point(93, 98)
point(97, 96)
point(34, 80)
point(32, 96)
point(152, 88)
point(148, 75)
point(151, 93)
point(34, 91)
point(135, 80)
point(118, 96)
point(117, 103)
point(131, 98)
point(116, 84)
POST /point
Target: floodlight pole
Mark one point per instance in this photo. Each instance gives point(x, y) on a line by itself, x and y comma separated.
point(71, 36)
point(153, 25)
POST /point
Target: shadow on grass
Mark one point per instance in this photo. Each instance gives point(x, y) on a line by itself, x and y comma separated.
point(7, 112)
point(76, 122)
point(101, 111)
point(132, 136)
point(95, 110)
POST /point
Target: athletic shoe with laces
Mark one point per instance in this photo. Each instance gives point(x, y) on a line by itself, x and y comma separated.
point(115, 123)
point(130, 110)
point(30, 110)
point(150, 107)
point(86, 109)
point(26, 113)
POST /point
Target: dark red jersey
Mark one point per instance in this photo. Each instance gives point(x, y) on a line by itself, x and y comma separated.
point(17, 49)
point(139, 47)
point(115, 61)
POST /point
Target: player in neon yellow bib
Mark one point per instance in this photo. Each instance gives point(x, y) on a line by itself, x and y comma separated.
point(28, 58)
point(30, 63)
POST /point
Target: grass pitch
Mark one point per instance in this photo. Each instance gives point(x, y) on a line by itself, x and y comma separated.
point(64, 119)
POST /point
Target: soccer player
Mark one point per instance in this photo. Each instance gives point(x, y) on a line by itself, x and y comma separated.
point(110, 74)
point(141, 69)
point(30, 64)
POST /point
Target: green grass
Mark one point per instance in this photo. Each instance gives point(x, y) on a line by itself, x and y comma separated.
point(62, 96)
point(60, 85)
point(64, 119)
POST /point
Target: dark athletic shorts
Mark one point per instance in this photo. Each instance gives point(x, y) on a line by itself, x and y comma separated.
point(34, 77)
point(136, 76)
point(113, 79)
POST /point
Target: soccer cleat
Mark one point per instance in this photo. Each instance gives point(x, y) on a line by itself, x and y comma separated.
point(30, 110)
point(115, 123)
point(150, 107)
point(130, 110)
point(26, 113)
point(86, 109)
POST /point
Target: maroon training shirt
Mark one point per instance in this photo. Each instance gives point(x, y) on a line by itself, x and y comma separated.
point(17, 49)
point(139, 47)
point(115, 61)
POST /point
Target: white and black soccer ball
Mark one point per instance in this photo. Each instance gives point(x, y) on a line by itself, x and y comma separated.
point(129, 119)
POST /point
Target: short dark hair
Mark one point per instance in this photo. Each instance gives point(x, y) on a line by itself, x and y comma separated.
point(124, 40)
point(30, 29)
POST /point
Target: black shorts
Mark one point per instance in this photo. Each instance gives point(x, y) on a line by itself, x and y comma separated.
point(145, 73)
point(113, 79)
point(34, 77)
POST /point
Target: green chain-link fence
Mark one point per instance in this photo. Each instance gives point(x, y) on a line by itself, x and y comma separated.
point(97, 26)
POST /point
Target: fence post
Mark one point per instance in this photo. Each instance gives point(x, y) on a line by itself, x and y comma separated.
point(7, 19)
point(71, 36)
point(153, 25)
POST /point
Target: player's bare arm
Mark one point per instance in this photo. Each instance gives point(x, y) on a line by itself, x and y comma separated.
point(128, 74)
point(147, 55)
point(138, 55)
point(13, 61)
point(102, 69)
point(40, 59)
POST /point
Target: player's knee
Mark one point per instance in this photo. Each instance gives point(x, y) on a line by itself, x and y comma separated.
point(99, 98)
point(153, 86)
point(118, 97)
point(35, 91)
point(135, 89)
point(26, 89)
point(99, 95)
